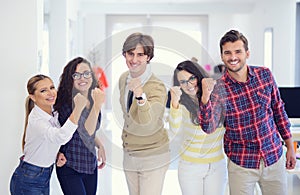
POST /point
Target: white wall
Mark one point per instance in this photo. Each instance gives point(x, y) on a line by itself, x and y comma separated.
point(62, 15)
point(58, 38)
point(249, 18)
point(278, 14)
point(281, 16)
point(20, 21)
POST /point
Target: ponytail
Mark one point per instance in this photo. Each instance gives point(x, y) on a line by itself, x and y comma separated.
point(29, 104)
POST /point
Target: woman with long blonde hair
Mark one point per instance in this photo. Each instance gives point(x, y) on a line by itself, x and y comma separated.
point(42, 137)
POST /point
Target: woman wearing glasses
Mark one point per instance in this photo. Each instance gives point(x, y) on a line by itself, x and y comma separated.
point(42, 137)
point(202, 167)
point(79, 174)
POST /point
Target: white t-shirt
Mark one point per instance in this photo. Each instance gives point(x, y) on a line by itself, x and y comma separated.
point(44, 136)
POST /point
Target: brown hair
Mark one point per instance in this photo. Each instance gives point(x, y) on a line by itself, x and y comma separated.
point(138, 38)
point(66, 91)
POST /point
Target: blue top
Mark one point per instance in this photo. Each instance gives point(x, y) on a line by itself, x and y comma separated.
point(80, 150)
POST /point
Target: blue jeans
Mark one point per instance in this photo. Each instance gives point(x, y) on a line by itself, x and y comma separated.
point(75, 183)
point(29, 179)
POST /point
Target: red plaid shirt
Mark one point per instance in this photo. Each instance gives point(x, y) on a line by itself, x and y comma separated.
point(254, 116)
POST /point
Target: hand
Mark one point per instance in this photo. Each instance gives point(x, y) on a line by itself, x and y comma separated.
point(80, 101)
point(60, 160)
point(135, 85)
point(176, 93)
point(99, 97)
point(208, 85)
point(290, 159)
point(101, 157)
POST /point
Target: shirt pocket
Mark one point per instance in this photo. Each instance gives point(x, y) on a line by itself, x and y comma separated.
point(264, 98)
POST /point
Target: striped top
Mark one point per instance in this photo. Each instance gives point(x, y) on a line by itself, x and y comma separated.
point(196, 145)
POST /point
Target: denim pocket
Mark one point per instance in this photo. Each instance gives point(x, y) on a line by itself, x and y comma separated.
point(31, 171)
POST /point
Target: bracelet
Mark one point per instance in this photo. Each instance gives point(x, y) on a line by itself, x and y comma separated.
point(142, 97)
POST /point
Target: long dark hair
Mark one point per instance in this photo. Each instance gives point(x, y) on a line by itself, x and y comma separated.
point(66, 91)
point(186, 100)
point(29, 104)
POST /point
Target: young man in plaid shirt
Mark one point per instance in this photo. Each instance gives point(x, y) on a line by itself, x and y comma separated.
point(248, 100)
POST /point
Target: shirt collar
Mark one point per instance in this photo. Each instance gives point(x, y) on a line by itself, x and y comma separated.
point(44, 114)
point(228, 78)
point(145, 76)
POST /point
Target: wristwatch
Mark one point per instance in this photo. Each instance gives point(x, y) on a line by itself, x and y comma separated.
point(142, 97)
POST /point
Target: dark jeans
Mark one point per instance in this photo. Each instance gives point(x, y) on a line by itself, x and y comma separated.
point(29, 179)
point(75, 183)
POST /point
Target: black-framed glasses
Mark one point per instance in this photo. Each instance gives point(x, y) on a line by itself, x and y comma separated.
point(191, 80)
point(85, 74)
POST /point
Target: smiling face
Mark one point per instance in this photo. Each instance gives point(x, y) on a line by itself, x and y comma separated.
point(44, 95)
point(136, 61)
point(234, 57)
point(188, 82)
point(83, 80)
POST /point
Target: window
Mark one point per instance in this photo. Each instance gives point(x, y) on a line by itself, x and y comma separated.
point(268, 48)
point(44, 53)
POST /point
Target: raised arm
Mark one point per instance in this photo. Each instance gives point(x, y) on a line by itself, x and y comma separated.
point(210, 106)
point(79, 103)
point(175, 115)
point(147, 117)
point(98, 97)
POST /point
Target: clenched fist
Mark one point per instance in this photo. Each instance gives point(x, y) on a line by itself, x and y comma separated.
point(80, 101)
point(135, 85)
point(208, 85)
point(98, 97)
point(176, 93)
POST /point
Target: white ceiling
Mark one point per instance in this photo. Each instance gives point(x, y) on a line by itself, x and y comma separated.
point(211, 2)
point(168, 1)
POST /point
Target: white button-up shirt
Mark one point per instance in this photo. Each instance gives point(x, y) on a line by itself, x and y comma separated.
point(44, 136)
